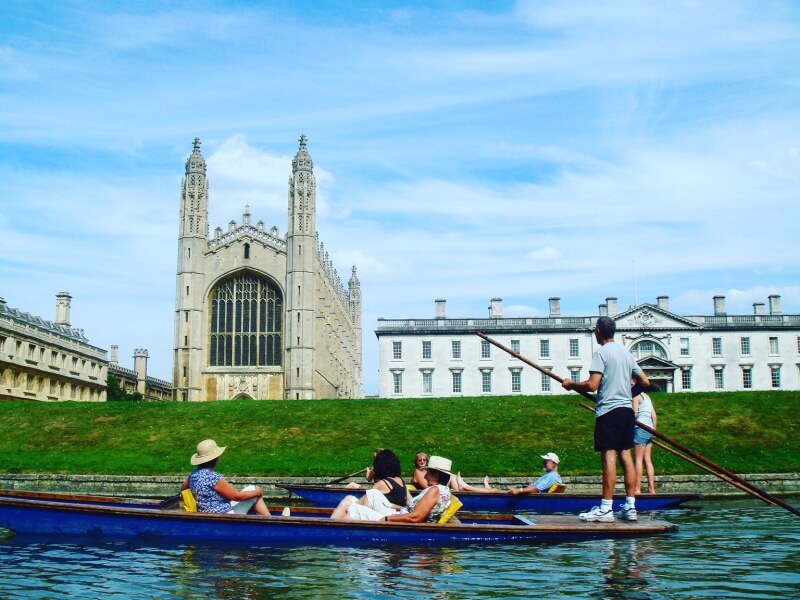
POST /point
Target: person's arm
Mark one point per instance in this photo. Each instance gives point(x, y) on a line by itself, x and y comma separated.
point(591, 385)
point(421, 510)
point(419, 479)
point(185, 485)
point(655, 417)
point(231, 493)
point(528, 490)
point(636, 401)
point(643, 379)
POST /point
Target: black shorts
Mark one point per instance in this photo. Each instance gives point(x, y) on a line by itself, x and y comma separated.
point(614, 430)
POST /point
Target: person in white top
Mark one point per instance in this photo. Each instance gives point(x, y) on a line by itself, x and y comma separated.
point(643, 441)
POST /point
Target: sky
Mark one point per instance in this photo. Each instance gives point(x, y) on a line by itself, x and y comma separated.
point(462, 150)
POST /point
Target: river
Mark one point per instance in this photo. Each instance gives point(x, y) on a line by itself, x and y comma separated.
point(723, 549)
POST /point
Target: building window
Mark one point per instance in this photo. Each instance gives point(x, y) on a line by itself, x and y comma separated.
point(486, 381)
point(397, 382)
point(716, 346)
point(747, 378)
point(246, 323)
point(773, 346)
point(515, 345)
point(247, 251)
point(575, 373)
point(574, 350)
point(745, 346)
point(455, 346)
point(647, 348)
point(798, 344)
point(684, 346)
point(427, 382)
point(775, 374)
point(686, 379)
point(397, 350)
point(4, 338)
point(719, 379)
point(544, 348)
point(29, 383)
point(31, 351)
point(545, 383)
point(456, 382)
point(516, 380)
point(426, 350)
point(486, 349)
point(53, 358)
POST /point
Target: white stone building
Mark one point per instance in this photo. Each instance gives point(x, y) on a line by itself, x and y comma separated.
point(716, 352)
point(258, 314)
point(48, 360)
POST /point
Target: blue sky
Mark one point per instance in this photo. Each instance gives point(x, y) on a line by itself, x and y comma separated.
point(463, 150)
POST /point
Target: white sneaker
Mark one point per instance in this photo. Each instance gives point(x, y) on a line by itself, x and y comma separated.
point(286, 512)
point(628, 513)
point(596, 514)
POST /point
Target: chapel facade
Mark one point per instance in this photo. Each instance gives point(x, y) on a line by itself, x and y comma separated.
point(260, 314)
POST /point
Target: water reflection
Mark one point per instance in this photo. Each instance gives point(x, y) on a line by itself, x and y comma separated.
point(628, 569)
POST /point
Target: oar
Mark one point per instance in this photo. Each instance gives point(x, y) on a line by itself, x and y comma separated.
point(341, 479)
point(751, 489)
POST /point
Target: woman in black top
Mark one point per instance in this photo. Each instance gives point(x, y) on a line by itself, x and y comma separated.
point(388, 496)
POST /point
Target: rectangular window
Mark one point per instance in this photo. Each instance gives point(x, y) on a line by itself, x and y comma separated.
point(716, 346)
point(29, 383)
point(574, 350)
point(4, 338)
point(545, 383)
point(397, 381)
point(456, 382)
point(31, 350)
point(427, 382)
point(397, 350)
point(455, 346)
point(747, 378)
point(486, 381)
point(515, 345)
point(745, 345)
point(486, 349)
point(426, 350)
point(575, 373)
point(684, 346)
point(775, 372)
point(798, 344)
point(516, 380)
point(686, 379)
point(53, 358)
point(719, 379)
point(544, 348)
point(774, 350)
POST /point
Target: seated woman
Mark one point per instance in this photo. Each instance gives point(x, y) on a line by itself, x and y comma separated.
point(540, 486)
point(212, 492)
point(388, 495)
point(433, 501)
point(419, 481)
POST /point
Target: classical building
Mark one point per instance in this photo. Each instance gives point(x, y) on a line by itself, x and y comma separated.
point(714, 352)
point(258, 314)
point(137, 379)
point(48, 360)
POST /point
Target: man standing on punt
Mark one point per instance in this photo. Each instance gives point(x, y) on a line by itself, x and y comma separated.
point(610, 376)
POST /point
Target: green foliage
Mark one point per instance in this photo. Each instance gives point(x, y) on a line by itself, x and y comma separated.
point(501, 436)
point(116, 393)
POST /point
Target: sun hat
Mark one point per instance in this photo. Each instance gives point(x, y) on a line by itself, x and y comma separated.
point(551, 456)
point(439, 463)
point(207, 450)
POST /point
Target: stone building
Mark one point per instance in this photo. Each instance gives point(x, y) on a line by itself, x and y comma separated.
point(259, 314)
point(48, 360)
point(137, 379)
point(715, 352)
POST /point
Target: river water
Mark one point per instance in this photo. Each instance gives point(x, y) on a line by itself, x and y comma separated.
point(723, 549)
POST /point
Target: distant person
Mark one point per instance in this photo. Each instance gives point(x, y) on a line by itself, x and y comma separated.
point(643, 440)
point(540, 486)
point(610, 375)
point(420, 462)
point(211, 490)
point(388, 496)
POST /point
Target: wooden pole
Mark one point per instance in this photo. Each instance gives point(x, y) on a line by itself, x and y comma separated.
point(341, 479)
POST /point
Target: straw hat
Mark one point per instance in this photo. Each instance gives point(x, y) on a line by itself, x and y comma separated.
point(439, 463)
point(207, 450)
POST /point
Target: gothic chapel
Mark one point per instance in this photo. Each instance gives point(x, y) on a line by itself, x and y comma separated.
point(257, 314)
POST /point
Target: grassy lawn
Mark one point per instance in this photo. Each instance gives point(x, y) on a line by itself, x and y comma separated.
point(747, 432)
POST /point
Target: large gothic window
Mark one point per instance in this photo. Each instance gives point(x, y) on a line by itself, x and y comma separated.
point(246, 323)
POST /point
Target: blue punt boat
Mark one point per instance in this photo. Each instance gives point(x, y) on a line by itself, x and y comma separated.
point(329, 496)
point(62, 516)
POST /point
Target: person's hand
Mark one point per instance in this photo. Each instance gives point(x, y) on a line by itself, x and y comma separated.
point(567, 384)
point(258, 493)
point(514, 491)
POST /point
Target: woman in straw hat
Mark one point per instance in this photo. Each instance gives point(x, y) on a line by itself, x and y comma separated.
point(213, 493)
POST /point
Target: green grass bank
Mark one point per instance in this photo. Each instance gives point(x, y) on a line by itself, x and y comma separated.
point(747, 432)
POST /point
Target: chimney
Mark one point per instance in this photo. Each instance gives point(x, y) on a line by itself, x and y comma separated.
point(140, 366)
point(602, 310)
point(555, 307)
point(63, 300)
point(774, 304)
point(663, 302)
point(496, 308)
point(719, 306)
point(440, 308)
point(611, 303)
point(114, 360)
point(758, 308)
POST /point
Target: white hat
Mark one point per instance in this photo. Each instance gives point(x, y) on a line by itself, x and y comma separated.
point(207, 450)
point(439, 463)
point(551, 456)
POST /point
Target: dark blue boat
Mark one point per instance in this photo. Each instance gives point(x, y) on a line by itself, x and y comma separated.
point(330, 497)
point(306, 525)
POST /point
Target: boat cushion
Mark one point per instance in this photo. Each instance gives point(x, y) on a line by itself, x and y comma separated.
point(188, 501)
point(557, 488)
point(455, 506)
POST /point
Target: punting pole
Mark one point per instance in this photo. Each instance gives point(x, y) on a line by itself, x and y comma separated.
point(729, 476)
point(341, 479)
